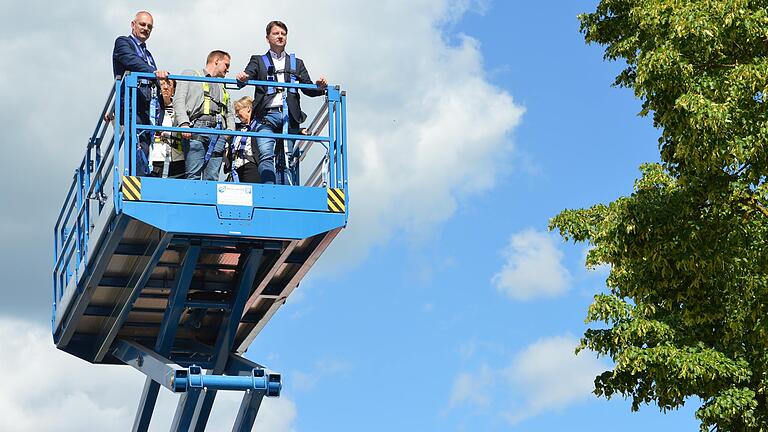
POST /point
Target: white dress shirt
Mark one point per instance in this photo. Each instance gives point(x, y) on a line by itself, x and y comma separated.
point(279, 61)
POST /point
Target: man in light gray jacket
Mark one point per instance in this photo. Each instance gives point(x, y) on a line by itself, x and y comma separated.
point(204, 105)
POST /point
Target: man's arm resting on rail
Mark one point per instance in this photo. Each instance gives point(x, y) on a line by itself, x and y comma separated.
point(303, 76)
point(125, 54)
point(180, 113)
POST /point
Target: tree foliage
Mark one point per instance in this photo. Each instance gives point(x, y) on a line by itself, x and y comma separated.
point(686, 314)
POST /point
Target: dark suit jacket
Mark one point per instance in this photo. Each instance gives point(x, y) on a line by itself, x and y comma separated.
point(125, 58)
point(257, 71)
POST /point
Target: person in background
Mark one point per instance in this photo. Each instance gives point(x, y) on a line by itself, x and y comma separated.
point(166, 154)
point(245, 166)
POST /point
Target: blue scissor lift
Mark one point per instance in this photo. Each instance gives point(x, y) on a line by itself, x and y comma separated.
point(177, 277)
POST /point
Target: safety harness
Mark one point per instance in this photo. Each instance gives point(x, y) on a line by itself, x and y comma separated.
point(291, 72)
point(213, 139)
point(237, 150)
point(154, 112)
point(207, 98)
point(154, 103)
point(143, 53)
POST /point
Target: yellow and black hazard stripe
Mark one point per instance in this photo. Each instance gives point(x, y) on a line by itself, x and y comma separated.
point(336, 201)
point(131, 188)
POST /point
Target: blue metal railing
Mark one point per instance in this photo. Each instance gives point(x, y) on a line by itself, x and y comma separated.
point(89, 193)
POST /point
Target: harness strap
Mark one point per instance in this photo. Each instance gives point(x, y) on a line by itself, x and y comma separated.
point(177, 145)
point(141, 52)
point(212, 140)
point(145, 55)
point(286, 165)
point(239, 150)
point(267, 64)
point(154, 103)
point(167, 161)
point(291, 73)
point(292, 62)
point(207, 97)
point(154, 112)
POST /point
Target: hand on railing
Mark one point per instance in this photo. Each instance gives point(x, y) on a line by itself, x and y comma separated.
point(321, 82)
point(185, 135)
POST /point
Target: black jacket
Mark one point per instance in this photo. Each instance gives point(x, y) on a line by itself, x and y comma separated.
point(125, 58)
point(257, 71)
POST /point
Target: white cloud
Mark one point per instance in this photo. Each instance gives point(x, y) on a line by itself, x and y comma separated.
point(472, 388)
point(323, 369)
point(543, 377)
point(427, 127)
point(551, 376)
point(533, 268)
point(45, 389)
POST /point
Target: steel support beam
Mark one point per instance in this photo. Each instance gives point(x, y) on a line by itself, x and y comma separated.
point(161, 371)
point(256, 379)
point(111, 333)
point(178, 379)
point(249, 266)
point(251, 331)
point(146, 361)
point(237, 365)
point(177, 300)
point(146, 405)
point(249, 408)
point(185, 410)
point(274, 268)
point(171, 318)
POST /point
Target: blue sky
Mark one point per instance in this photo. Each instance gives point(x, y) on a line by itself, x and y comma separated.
point(397, 327)
point(453, 310)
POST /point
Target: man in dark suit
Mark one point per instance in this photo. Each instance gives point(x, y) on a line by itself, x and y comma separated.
point(131, 54)
point(268, 103)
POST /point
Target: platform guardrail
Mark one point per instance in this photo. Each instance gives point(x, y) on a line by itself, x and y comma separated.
point(94, 192)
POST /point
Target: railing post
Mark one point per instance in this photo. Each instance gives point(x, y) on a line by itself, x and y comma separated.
point(119, 93)
point(86, 197)
point(338, 145)
point(77, 233)
point(331, 140)
point(132, 136)
point(97, 152)
point(63, 266)
point(344, 146)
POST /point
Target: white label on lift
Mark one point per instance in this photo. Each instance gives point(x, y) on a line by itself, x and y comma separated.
point(234, 194)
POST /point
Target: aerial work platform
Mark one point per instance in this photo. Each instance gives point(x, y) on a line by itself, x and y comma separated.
point(176, 277)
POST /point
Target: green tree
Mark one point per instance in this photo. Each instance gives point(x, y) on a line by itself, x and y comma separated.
point(686, 314)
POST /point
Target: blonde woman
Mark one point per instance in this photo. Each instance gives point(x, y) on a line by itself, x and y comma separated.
point(245, 167)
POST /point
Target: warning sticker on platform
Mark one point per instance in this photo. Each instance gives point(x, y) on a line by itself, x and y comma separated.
point(234, 194)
